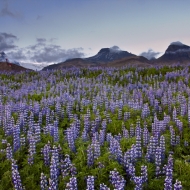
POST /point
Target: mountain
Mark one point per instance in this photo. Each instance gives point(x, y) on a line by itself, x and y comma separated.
point(10, 67)
point(76, 62)
point(106, 55)
point(176, 52)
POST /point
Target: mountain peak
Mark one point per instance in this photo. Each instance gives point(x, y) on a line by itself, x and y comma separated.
point(104, 50)
point(177, 47)
point(176, 52)
point(106, 55)
point(113, 49)
point(177, 43)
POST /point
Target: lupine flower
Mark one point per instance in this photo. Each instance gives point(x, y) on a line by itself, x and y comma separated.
point(117, 180)
point(104, 187)
point(9, 152)
point(169, 174)
point(177, 185)
point(53, 181)
point(96, 146)
point(145, 136)
point(16, 176)
point(90, 183)
point(138, 182)
point(46, 153)
point(43, 182)
point(162, 147)
point(144, 174)
point(90, 155)
point(138, 150)
point(72, 184)
point(16, 138)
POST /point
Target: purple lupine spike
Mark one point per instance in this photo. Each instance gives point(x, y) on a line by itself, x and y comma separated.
point(133, 154)
point(138, 183)
point(162, 147)
point(70, 139)
point(104, 187)
point(43, 182)
point(90, 155)
point(67, 168)
point(46, 153)
point(132, 131)
point(125, 133)
point(177, 142)
point(102, 136)
point(138, 149)
point(22, 140)
point(145, 136)
point(90, 183)
point(72, 184)
point(56, 132)
point(131, 171)
point(144, 174)
point(177, 185)
point(9, 152)
point(158, 160)
point(32, 150)
point(16, 176)
point(37, 132)
point(115, 150)
point(16, 137)
point(96, 146)
point(53, 181)
point(168, 184)
point(117, 180)
point(169, 174)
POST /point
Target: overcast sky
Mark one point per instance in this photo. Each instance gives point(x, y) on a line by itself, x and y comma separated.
point(54, 30)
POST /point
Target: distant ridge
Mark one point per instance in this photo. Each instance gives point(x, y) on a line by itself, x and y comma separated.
point(138, 61)
point(10, 67)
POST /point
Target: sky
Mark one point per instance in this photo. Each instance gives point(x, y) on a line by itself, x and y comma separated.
point(51, 31)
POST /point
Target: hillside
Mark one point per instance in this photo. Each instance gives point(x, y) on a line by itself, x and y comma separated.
point(10, 67)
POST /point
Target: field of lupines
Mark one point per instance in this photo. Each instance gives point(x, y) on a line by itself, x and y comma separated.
point(98, 128)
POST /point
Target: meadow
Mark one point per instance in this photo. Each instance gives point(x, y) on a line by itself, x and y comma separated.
point(95, 128)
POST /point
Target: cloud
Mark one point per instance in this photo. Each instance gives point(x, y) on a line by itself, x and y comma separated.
point(41, 40)
point(17, 55)
point(177, 43)
point(40, 43)
point(7, 41)
point(42, 52)
point(150, 54)
point(5, 11)
point(54, 53)
point(115, 49)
